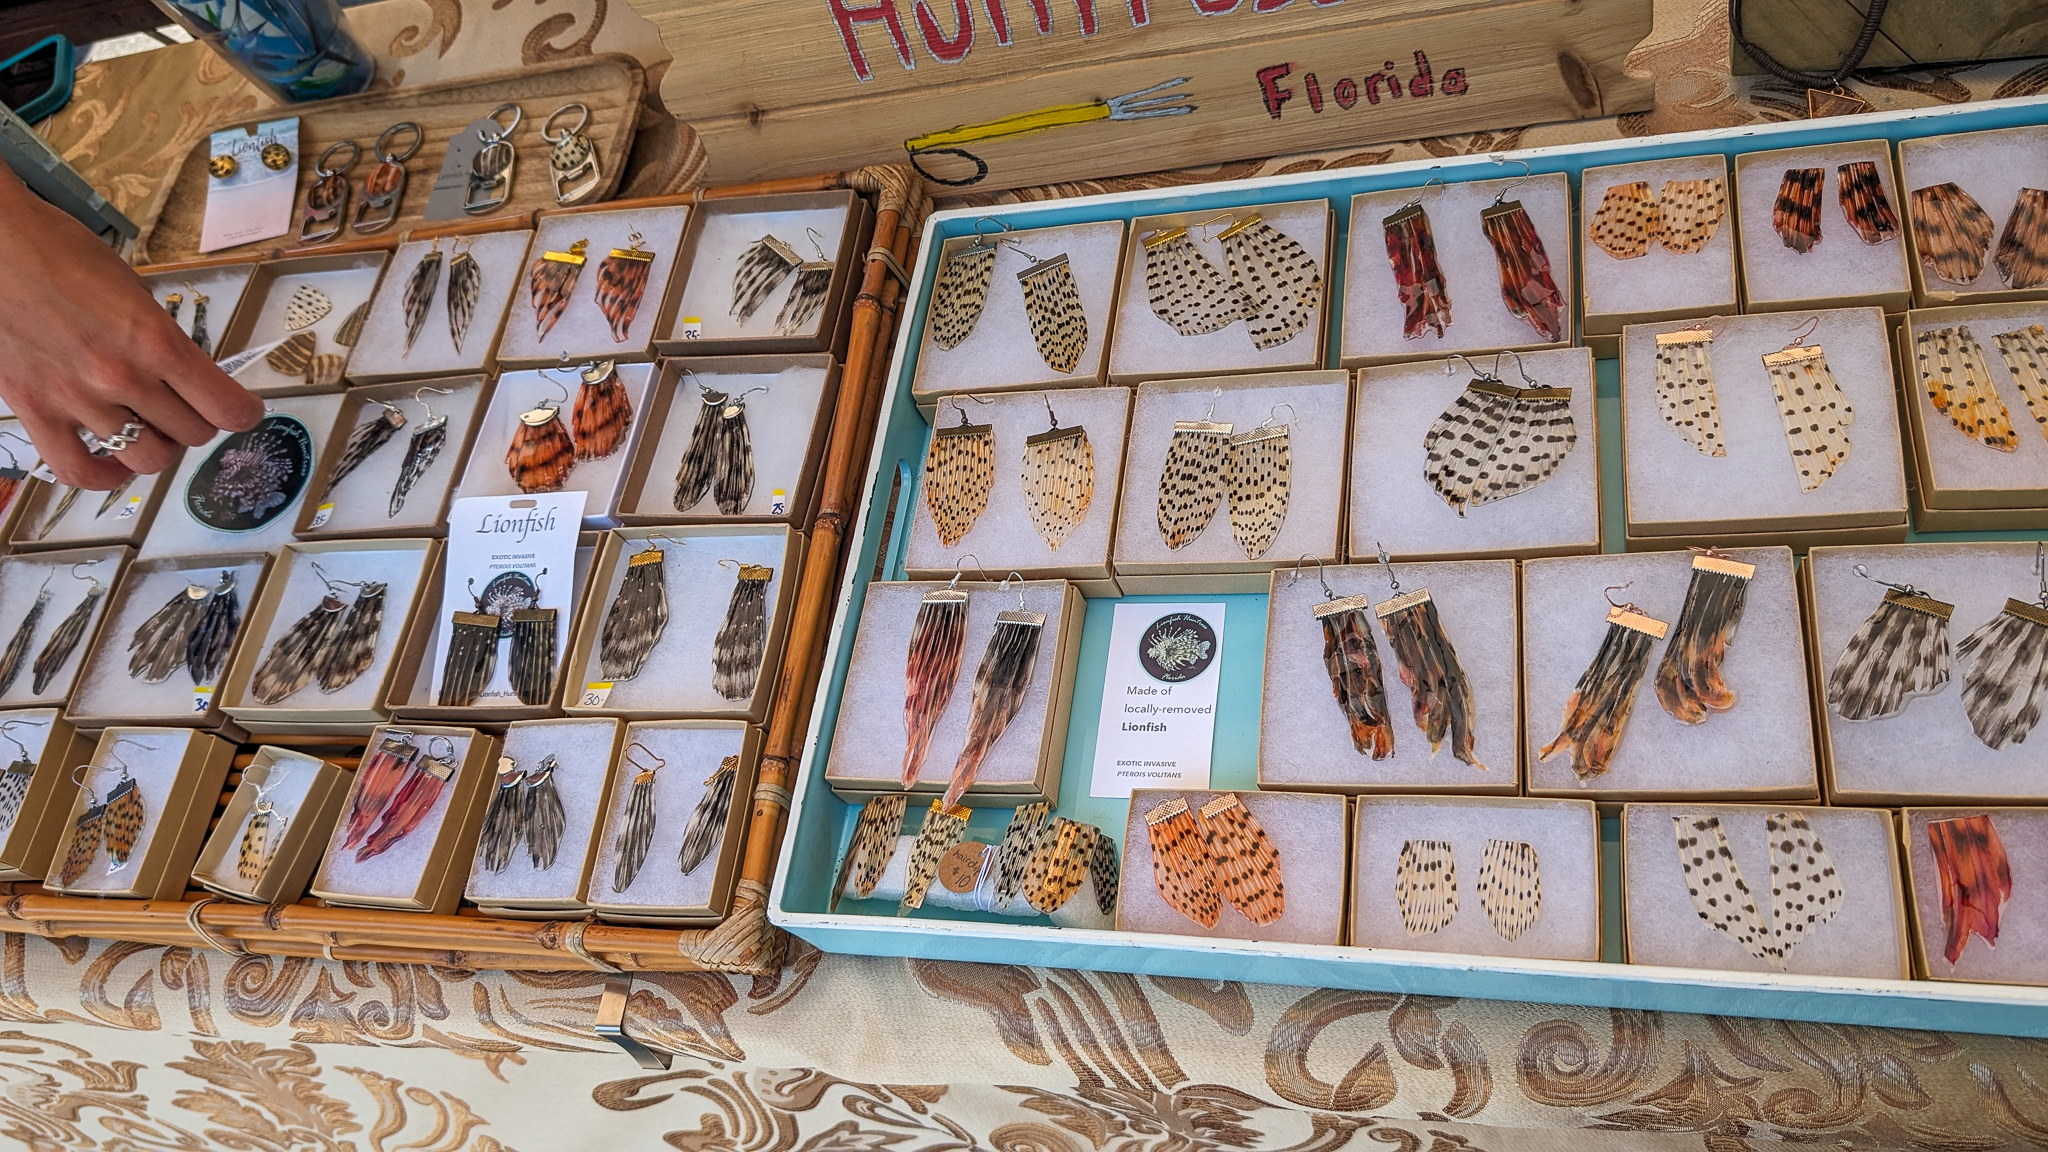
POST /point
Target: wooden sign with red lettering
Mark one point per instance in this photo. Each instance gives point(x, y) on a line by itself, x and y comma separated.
point(990, 94)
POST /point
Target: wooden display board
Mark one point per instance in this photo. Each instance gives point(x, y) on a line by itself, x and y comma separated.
point(991, 94)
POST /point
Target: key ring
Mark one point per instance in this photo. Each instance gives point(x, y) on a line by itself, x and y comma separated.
point(355, 152)
point(418, 137)
point(582, 120)
point(518, 114)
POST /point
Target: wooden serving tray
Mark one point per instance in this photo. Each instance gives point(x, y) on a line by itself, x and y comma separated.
point(610, 85)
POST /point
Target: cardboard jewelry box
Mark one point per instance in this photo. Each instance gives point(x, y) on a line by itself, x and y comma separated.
point(199, 517)
point(498, 255)
point(1863, 937)
point(1004, 538)
point(787, 426)
point(701, 565)
point(487, 473)
point(306, 794)
point(60, 516)
point(1957, 472)
point(346, 280)
point(295, 588)
point(1839, 271)
point(659, 892)
point(1993, 168)
point(998, 352)
point(584, 750)
point(109, 693)
point(1023, 766)
point(424, 868)
point(1670, 488)
point(1660, 284)
point(1310, 834)
point(222, 281)
point(698, 320)
point(1146, 347)
point(582, 332)
point(69, 578)
point(1996, 931)
point(1563, 862)
point(360, 505)
point(1373, 313)
point(177, 774)
point(54, 746)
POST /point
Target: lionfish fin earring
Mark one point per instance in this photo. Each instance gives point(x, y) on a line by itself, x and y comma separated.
point(962, 291)
point(1958, 383)
point(1497, 440)
point(125, 815)
point(158, 647)
point(420, 452)
point(69, 631)
point(1444, 707)
point(1191, 482)
point(1418, 278)
point(1510, 887)
point(1052, 305)
point(937, 638)
point(199, 333)
point(503, 828)
point(1352, 659)
point(1685, 388)
point(761, 266)
point(16, 655)
point(1806, 890)
point(213, 637)
point(1627, 219)
point(2022, 247)
point(1059, 479)
point(383, 769)
point(806, 290)
point(430, 772)
point(550, 283)
point(1273, 271)
point(1597, 713)
point(546, 819)
point(1057, 865)
point(1900, 651)
point(873, 843)
point(1426, 886)
point(1258, 475)
point(364, 441)
point(172, 303)
point(261, 832)
point(1796, 212)
point(603, 411)
point(2024, 350)
point(1976, 880)
point(719, 460)
point(638, 615)
point(1688, 682)
point(472, 654)
point(959, 473)
point(299, 652)
point(465, 288)
point(1719, 893)
point(1864, 203)
point(1018, 851)
point(1951, 231)
point(355, 640)
point(15, 778)
point(86, 832)
point(532, 666)
point(1185, 290)
point(1244, 860)
point(708, 821)
point(1526, 287)
point(2006, 683)
point(1000, 684)
point(541, 454)
point(1691, 212)
point(942, 828)
point(419, 294)
point(1182, 871)
point(741, 645)
point(1812, 407)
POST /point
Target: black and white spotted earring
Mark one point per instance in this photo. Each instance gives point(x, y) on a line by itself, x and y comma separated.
point(1278, 276)
point(1258, 476)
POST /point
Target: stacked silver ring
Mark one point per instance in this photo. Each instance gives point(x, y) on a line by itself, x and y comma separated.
point(130, 433)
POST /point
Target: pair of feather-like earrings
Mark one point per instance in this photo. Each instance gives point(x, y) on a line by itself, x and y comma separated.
point(335, 643)
point(638, 617)
point(1428, 664)
point(1805, 889)
point(509, 605)
point(63, 640)
point(542, 454)
point(264, 829)
point(1689, 683)
point(1902, 651)
point(1204, 461)
point(195, 630)
point(1958, 381)
point(621, 283)
point(765, 264)
point(1812, 407)
point(1200, 858)
point(199, 302)
point(1052, 301)
point(65, 502)
point(938, 638)
point(1426, 886)
point(1683, 219)
point(465, 286)
point(960, 473)
point(371, 435)
point(306, 307)
point(1953, 234)
point(1496, 440)
point(719, 461)
point(1795, 215)
point(1274, 285)
point(396, 786)
point(1526, 287)
point(525, 809)
point(114, 821)
point(636, 823)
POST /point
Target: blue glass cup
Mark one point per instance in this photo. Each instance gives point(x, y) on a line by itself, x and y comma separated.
point(294, 49)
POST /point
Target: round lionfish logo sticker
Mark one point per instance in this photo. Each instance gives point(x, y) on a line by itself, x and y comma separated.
point(253, 477)
point(1177, 647)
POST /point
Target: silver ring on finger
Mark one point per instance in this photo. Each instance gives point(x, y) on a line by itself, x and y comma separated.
point(130, 433)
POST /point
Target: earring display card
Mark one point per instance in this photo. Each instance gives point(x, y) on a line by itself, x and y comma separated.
point(1972, 921)
point(1845, 916)
point(582, 331)
point(53, 517)
point(784, 417)
point(505, 554)
point(707, 613)
point(487, 474)
point(999, 352)
point(1374, 317)
point(1698, 279)
point(1761, 748)
point(1394, 505)
point(338, 681)
point(688, 753)
point(813, 226)
point(1926, 750)
point(2004, 171)
point(1023, 765)
point(220, 285)
point(423, 456)
point(423, 867)
point(282, 845)
point(36, 813)
point(116, 686)
point(1839, 270)
point(54, 604)
point(301, 296)
point(1308, 832)
point(1672, 489)
point(1523, 877)
point(241, 491)
point(1006, 536)
point(1314, 409)
point(1306, 737)
point(477, 275)
point(583, 751)
point(1967, 348)
point(1147, 346)
point(175, 777)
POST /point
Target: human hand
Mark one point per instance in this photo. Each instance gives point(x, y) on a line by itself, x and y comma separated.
point(84, 344)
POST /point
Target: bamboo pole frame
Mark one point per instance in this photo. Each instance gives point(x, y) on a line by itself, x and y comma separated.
point(744, 942)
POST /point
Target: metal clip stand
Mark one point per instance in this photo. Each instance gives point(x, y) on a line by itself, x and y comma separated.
point(611, 1022)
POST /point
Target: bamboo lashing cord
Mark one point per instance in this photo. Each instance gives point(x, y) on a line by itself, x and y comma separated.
point(226, 947)
point(572, 941)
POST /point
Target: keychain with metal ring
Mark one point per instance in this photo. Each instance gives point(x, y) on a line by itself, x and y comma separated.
point(327, 199)
point(490, 170)
point(384, 187)
point(573, 163)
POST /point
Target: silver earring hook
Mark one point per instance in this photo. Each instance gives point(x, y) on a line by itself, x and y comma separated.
point(1528, 174)
point(1000, 227)
point(1449, 368)
point(1805, 332)
point(88, 576)
point(543, 373)
point(1423, 191)
point(418, 399)
point(1519, 366)
point(960, 565)
point(9, 736)
point(1908, 589)
point(1613, 588)
point(1215, 394)
point(1049, 413)
point(445, 757)
point(1274, 412)
point(651, 537)
point(1321, 578)
point(2041, 569)
point(1387, 562)
point(817, 241)
point(1005, 587)
point(80, 781)
point(13, 461)
point(649, 753)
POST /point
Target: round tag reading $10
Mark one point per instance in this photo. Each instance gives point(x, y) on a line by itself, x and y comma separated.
point(960, 867)
point(1177, 647)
